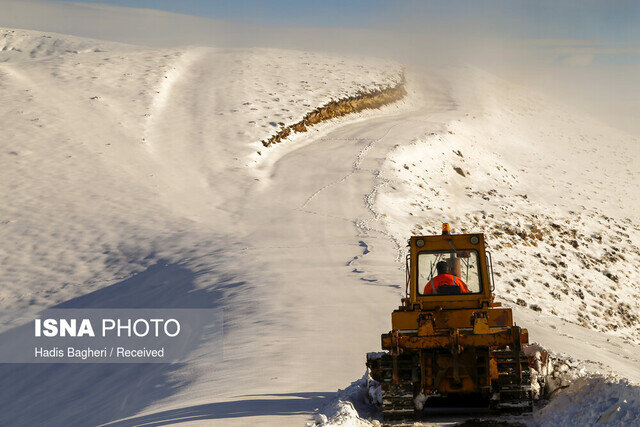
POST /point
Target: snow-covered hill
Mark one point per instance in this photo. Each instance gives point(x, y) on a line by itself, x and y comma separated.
point(102, 142)
point(554, 192)
point(131, 178)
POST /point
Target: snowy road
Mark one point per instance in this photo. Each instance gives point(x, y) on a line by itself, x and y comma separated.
point(328, 270)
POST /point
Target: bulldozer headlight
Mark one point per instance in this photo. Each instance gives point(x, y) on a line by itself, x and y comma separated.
point(474, 240)
point(420, 243)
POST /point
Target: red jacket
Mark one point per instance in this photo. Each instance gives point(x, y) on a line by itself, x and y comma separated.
point(444, 279)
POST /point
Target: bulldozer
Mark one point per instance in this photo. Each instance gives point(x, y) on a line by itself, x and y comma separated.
point(451, 348)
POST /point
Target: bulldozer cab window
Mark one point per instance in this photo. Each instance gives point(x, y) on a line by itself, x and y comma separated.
point(448, 272)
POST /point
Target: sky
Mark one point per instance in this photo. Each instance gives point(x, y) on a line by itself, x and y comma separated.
point(609, 31)
point(611, 21)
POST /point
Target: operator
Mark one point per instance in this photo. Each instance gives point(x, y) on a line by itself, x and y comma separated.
point(452, 283)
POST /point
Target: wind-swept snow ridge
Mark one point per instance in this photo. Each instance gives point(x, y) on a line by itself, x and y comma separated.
point(18, 44)
point(591, 400)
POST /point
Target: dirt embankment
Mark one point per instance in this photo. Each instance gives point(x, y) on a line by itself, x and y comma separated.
point(353, 104)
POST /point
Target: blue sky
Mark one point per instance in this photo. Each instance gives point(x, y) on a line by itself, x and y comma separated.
point(607, 21)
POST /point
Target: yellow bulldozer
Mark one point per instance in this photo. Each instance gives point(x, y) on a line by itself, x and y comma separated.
point(451, 347)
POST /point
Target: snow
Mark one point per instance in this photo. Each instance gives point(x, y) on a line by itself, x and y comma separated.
point(132, 178)
point(593, 400)
point(353, 406)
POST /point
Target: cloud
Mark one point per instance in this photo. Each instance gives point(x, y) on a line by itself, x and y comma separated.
point(578, 60)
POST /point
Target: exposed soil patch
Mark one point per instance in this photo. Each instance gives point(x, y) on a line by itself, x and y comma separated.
point(353, 104)
point(459, 171)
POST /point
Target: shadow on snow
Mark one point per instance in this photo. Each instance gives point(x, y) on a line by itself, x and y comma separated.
point(83, 394)
point(247, 406)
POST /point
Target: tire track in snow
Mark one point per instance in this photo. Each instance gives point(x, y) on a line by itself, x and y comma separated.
point(163, 92)
point(370, 198)
point(364, 225)
point(354, 168)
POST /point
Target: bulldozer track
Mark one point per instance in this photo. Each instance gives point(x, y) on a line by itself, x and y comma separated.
point(514, 382)
point(399, 378)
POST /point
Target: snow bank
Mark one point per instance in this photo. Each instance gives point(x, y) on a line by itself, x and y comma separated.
point(572, 396)
point(593, 400)
point(373, 99)
point(353, 406)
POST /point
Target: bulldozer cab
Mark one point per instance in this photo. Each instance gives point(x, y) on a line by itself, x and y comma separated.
point(452, 271)
point(448, 272)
